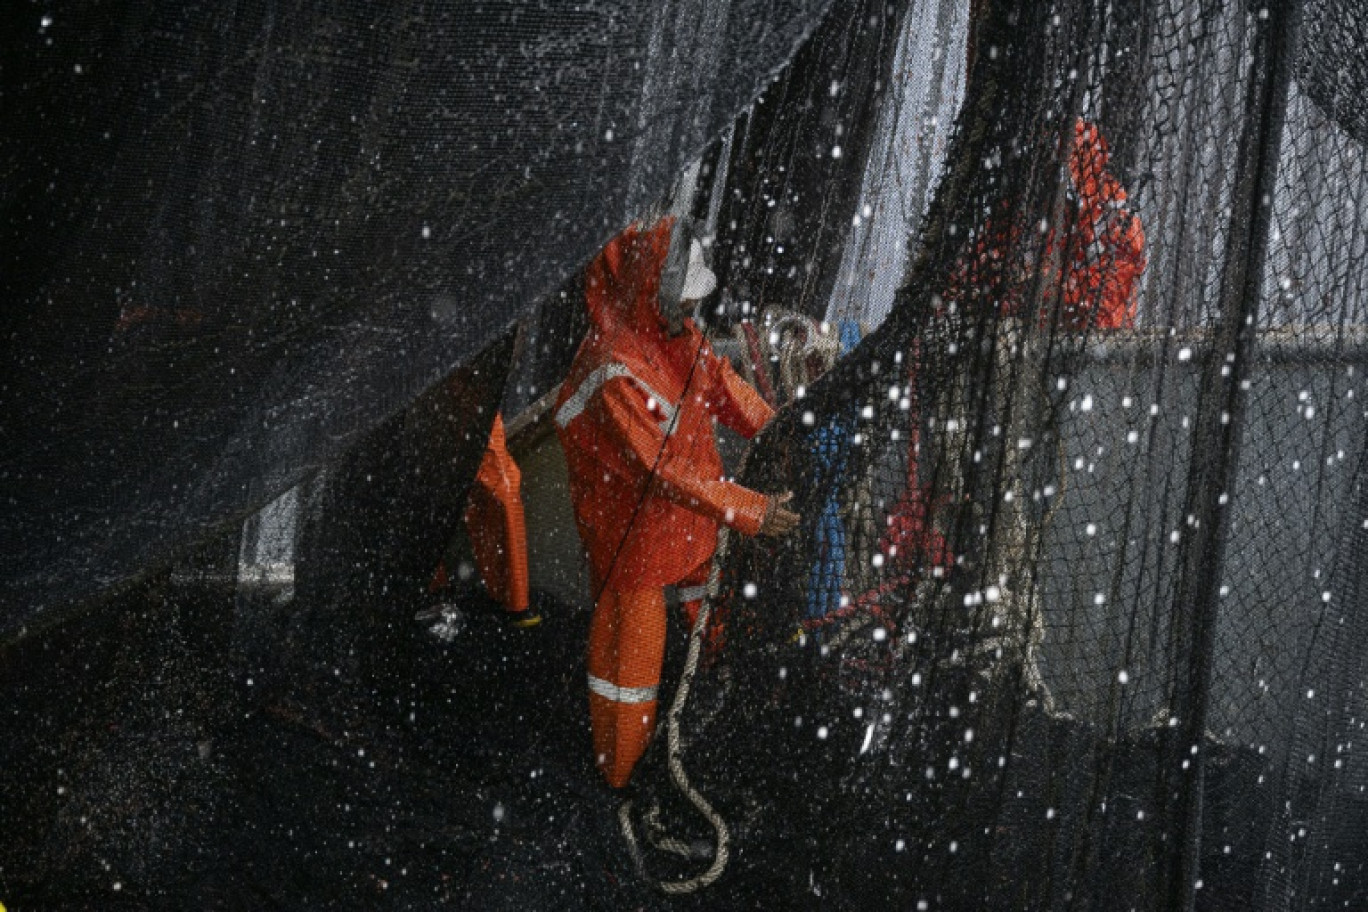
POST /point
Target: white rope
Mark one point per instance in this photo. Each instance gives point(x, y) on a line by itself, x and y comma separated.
point(659, 838)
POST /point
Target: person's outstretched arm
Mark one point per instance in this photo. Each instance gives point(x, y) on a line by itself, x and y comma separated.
point(735, 402)
point(622, 409)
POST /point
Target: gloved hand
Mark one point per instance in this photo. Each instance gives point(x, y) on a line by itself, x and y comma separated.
point(779, 520)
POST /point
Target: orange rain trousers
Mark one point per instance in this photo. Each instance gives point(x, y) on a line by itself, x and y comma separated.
point(626, 652)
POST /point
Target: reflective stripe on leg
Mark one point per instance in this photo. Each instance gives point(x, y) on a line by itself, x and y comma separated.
point(610, 691)
point(626, 651)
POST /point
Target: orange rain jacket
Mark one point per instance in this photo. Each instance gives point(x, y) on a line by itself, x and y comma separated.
point(1103, 241)
point(1109, 242)
point(635, 417)
point(496, 524)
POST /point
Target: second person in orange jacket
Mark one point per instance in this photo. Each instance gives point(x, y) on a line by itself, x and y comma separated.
point(1091, 264)
point(635, 417)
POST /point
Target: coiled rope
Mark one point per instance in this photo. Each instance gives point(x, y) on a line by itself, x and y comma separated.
point(655, 830)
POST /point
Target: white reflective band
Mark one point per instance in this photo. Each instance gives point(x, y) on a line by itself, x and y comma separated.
point(621, 694)
point(579, 400)
point(693, 593)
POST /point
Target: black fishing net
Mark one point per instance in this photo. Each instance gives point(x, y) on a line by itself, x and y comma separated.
point(793, 166)
point(1074, 618)
point(237, 238)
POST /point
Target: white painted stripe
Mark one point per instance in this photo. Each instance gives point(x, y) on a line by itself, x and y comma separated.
point(610, 691)
point(579, 400)
point(692, 593)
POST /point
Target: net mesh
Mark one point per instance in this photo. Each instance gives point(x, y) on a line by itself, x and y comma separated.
point(1072, 612)
point(1074, 616)
point(235, 241)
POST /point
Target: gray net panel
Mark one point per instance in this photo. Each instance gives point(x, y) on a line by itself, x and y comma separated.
point(905, 161)
point(1074, 611)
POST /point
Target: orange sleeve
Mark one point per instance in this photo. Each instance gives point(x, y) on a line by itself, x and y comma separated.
point(1130, 263)
point(620, 410)
point(736, 403)
point(1135, 243)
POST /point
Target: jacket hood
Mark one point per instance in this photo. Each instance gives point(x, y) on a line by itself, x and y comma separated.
point(622, 284)
point(1088, 164)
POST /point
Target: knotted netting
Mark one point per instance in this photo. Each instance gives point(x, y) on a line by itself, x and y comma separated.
point(1074, 618)
point(1075, 614)
point(237, 240)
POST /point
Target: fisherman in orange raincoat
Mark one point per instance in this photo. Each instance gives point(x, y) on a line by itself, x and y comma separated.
point(635, 417)
point(1099, 249)
point(1103, 246)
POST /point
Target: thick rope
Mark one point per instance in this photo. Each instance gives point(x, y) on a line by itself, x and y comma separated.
point(659, 838)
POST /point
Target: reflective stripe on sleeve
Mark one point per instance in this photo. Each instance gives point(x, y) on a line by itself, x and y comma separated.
point(579, 400)
point(610, 691)
point(574, 406)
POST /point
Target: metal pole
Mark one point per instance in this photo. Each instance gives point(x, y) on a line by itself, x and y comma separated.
point(1215, 457)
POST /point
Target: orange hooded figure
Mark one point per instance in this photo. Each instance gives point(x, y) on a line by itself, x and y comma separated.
point(635, 417)
point(1105, 246)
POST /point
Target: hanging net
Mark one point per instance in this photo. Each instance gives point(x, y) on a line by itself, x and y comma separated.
point(1062, 313)
point(1074, 615)
point(236, 241)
